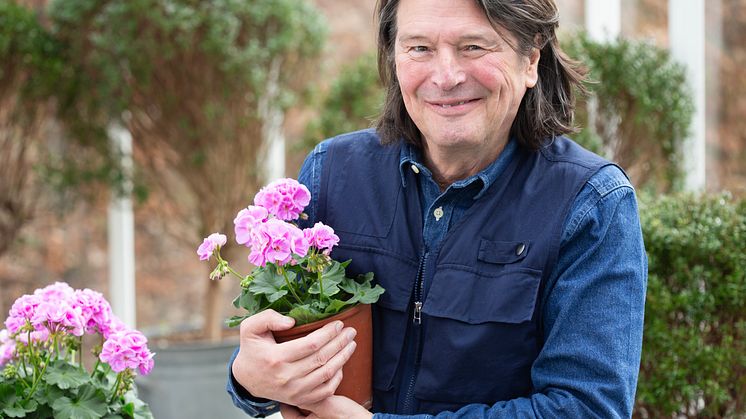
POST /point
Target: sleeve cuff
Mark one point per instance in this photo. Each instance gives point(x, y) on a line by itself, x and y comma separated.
point(253, 406)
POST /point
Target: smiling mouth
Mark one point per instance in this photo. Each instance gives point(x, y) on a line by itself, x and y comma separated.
point(451, 105)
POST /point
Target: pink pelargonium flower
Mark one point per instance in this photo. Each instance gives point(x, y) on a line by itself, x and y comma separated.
point(208, 246)
point(37, 336)
point(59, 315)
point(127, 349)
point(56, 292)
point(322, 237)
point(276, 242)
point(284, 198)
point(7, 347)
point(115, 325)
point(23, 310)
point(246, 221)
point(95, 310)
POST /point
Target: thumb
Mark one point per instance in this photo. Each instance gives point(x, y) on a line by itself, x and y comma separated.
point(265, 321)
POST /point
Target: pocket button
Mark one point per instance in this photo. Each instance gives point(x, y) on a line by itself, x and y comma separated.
point(519, 250)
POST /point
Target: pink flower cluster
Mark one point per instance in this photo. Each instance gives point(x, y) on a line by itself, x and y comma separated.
point(276, 241)
point(7, 347)
point(54, 308)
point(322, 237)
point(284, 198)
point(127, 349)
point(208, 246)
point(60, 309)
point(262, 227)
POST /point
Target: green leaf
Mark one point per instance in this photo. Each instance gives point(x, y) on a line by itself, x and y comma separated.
point(276, 296)
point(141, 409)
point(335, 306)
point(248, 301)
point(89, 404)
point(20, 410)
point(267, 282)
point(15, 412)
point(7, 394)
point(371, 295)
point(361, 293)
point(236, 320)
point(129, 409)
point(65, 376)
point(305, 314)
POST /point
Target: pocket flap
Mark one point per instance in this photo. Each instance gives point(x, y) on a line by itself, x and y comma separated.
point(469, 297)
point(503, 252)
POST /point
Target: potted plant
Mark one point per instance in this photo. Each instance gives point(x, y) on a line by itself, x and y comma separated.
point(295, 276)
point(42, 354)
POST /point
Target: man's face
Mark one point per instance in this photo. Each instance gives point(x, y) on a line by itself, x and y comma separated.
point(461, 82)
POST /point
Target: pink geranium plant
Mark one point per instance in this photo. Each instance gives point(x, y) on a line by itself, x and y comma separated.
point(294, 273)
point(41, 355)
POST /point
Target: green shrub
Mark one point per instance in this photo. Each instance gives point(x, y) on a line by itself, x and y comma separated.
point(643, 108)
point(29, 64)
point(694, 346)
point(354, 100)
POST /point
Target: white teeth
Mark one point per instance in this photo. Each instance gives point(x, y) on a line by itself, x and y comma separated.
point(448, 106)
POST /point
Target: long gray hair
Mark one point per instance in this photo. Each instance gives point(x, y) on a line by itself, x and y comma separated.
point(546, 110)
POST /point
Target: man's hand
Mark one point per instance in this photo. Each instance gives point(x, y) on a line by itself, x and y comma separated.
point(334, 407)
point(300, 372)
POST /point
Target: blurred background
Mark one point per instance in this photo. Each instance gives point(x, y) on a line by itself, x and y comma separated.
point(131, 129)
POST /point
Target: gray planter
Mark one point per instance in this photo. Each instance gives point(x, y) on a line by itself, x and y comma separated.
point(188, 381)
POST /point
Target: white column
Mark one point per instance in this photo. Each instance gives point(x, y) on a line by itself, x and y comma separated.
point(121, 230)
point(686, 30)
point(603, 19)
point(273, 118)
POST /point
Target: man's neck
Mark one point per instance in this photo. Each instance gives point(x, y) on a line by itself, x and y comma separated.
point(452, 164)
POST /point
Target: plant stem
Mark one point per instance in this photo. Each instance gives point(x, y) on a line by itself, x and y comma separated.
point(80, 354)
point(321, 287)
point(36, 381)
point(290, 287)
point(93, 372)
point(116, 387)
point(32, 355)
point(231, 270)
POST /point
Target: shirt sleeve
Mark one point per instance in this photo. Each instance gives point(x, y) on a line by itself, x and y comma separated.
point(592, 310)
point(310, 176)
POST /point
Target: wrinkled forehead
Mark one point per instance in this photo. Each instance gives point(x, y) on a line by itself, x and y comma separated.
point(453, 19)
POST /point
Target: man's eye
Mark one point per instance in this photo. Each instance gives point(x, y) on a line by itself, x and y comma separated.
point(473, 48)
point(419, 48)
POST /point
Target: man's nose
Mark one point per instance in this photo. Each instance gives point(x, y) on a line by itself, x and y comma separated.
point(448, 72)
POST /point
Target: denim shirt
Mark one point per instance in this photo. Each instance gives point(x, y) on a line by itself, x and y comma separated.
point(593, 301)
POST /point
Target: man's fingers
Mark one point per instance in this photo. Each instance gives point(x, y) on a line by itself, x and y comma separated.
point(300, 348)
point(290, 412)
point(329, 371)
point(324, 390)
point(266, 321)
point(326, 353)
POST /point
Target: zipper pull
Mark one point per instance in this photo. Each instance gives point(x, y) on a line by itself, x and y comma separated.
point(418, 312)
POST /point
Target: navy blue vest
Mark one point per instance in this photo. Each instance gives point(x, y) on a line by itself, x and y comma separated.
point(481, 328)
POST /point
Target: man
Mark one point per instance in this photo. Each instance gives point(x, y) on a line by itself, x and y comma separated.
point(512, 259)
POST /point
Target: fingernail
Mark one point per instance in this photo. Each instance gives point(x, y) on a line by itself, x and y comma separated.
point(351, 333)
point(338, 326)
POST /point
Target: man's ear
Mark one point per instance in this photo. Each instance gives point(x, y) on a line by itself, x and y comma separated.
point(532, 70)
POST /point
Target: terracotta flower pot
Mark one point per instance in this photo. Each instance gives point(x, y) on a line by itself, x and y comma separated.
point(357, 372)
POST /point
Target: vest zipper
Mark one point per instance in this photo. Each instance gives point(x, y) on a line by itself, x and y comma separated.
point(418, 286)
point(416, 332)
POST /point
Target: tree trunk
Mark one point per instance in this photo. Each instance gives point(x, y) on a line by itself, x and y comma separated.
point(213, 311)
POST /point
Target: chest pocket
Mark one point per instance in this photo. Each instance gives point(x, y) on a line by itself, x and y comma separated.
point(479, 334)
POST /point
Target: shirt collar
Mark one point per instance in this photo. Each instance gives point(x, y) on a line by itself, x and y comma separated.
point(410, 159)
